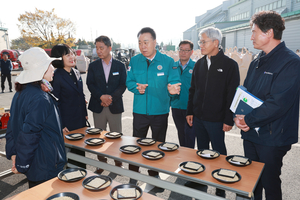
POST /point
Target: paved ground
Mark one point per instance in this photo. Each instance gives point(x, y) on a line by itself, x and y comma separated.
point(13, 184)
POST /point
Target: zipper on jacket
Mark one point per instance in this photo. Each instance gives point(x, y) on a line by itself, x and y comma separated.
point(146, 90)
point(181, 69)
point(206, 79)
point(56, 154)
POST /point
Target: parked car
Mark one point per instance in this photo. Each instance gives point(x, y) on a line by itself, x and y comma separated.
point(13, 55)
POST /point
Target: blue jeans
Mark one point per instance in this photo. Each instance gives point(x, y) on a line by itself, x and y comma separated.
point(210, 132)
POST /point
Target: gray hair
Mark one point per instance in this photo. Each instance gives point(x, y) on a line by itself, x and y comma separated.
point(212, 33)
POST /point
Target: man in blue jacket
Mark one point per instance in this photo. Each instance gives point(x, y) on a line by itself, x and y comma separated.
point(6, 67)
point(152, 77)
point(274, 77)
point(185, 66)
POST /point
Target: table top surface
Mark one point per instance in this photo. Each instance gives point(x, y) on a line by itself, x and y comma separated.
point(170, 162)
point(54, 186)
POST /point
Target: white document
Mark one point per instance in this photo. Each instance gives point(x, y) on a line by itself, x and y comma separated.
point(242, 94)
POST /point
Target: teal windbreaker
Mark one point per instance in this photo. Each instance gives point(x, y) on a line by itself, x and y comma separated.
point(161, 72)
point(180, 101)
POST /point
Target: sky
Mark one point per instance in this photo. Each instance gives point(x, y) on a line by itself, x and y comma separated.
point(120, 20)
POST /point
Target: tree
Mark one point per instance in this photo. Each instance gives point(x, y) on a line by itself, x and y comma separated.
point(81, 42)
point(115, 45)
point(19, 44)
point(45, 29)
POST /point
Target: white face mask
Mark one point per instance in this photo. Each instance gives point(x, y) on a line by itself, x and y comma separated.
point(47, 84)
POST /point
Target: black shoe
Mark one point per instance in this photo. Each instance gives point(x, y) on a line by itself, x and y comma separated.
point(2, 91)
point(220, 193)
point(10, 90)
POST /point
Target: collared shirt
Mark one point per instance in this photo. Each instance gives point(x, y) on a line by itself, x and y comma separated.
point(152, 58)
point(184, 66)
point(106, 68)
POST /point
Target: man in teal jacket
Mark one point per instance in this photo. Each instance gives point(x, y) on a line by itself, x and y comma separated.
point(185, 66)
point(153, 78)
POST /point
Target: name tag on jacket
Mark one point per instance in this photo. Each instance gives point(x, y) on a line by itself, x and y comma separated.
point(115, 73)
point(160, 74)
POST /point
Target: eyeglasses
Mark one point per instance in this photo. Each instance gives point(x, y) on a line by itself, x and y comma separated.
point(204, 42)
point(184, 51)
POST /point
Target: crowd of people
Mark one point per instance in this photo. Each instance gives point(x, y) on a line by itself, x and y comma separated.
point(199, 94)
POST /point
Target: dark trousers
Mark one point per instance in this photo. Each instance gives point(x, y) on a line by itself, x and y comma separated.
point(158, 125)
point(270, 178)
point(210, 132)
point(32, 184)
point(186, 136)
point(3, 77)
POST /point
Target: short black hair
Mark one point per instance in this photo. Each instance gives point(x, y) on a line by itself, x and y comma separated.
point(266, 20)
point(187, 42)
point(147, 30)
point(106, 40)
point(58, 51)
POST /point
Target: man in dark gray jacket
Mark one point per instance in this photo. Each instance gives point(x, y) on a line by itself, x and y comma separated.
point(274, 77)
point(5, 68)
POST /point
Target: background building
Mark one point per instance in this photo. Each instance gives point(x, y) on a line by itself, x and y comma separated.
point(4, 40)
point(232, 18)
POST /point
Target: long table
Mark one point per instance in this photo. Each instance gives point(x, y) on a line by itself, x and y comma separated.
point(54, 186)
point(169, 165)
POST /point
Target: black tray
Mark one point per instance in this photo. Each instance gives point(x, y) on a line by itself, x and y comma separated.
point(114, 190)
point(93, 131)
point(62, 173)
point(139, 141)
point(64, 194)
point(225, 179)
point(94, 144)
point(77, 138)
point(144, 154)
point(111, 136)
point(228, 158)
point(130, 152)
point(191, 171)
point(87, 180)
point(160, 146)
point(208, 157)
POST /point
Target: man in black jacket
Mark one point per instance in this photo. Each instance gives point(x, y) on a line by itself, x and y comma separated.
point(274, 77)
point(214, 81)
point(106, 80)
point(5, 67)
